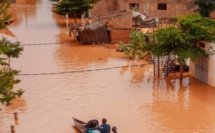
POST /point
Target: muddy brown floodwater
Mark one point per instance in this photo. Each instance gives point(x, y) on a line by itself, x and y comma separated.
point(129, 97)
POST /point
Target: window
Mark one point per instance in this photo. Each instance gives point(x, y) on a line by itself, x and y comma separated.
point(133, 5)
point(162, 6)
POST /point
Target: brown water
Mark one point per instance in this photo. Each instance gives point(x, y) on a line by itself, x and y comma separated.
point(129, 97)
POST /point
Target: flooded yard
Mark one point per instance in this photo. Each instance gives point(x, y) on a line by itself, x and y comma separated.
point(64, 79)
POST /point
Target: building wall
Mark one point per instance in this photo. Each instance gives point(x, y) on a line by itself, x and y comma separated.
point(204, 69)
point(149, 7)
point(124, 4)
point(174, 9)
point(104, 6)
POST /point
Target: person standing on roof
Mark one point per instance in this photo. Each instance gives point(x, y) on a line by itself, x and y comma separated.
point(105, 126)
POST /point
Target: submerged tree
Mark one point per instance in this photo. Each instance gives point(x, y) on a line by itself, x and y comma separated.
point(7, 75)
point(9, 49)
point(205, 7)
point(7, 92)
point(183, 41)
point(74, 7)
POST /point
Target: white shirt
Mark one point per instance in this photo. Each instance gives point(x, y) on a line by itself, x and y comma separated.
point(96, 131)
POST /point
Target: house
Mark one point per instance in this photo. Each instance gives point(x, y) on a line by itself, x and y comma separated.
point(153, 8)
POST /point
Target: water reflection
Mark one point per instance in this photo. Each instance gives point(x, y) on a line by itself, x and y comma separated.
point(83, 54)
point(137, 72)
point(182, 106)
point(23, 10)
point(18, 104)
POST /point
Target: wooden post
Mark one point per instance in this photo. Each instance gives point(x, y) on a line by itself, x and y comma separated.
point(154, 64)
point(161, 24)
point(16, 121)
point(15, 115)
point(158, 66)
point(154, 22)
point(12, 129)
point(67, 21)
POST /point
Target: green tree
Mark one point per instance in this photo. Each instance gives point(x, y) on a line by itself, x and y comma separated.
point(205, 7)
point(7, 77)
point(7, 93)
point(10, 49)
point(183, 41)
point(74, 7)
point(138, 44)
point(4, 14)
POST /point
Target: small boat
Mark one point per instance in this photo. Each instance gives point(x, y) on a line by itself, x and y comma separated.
point(80, 125)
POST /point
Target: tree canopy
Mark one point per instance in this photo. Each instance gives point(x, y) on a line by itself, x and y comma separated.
point(7, 75)
point(74, 6)
point(137, 46)
point(10, 49)
point(205, 7)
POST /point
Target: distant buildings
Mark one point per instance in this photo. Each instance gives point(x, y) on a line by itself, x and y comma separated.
point(153, 8)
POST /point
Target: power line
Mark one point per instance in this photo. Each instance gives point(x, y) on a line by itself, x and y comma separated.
point(78, 71)
point(56, 43)
point(32, 44)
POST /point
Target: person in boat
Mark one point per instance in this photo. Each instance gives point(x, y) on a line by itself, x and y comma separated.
point(92, 124)
point(114, 129)
point(105, 127)
point(96, 129)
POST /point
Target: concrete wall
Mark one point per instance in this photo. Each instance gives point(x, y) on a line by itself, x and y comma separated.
point(204, 69)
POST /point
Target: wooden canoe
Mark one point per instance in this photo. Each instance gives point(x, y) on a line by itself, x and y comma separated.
point(80, 125)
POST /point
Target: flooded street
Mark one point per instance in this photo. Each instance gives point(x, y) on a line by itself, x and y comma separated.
point(64, 80)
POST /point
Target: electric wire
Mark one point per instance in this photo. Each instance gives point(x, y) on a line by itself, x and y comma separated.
point(78, 71)
point(56, 43)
